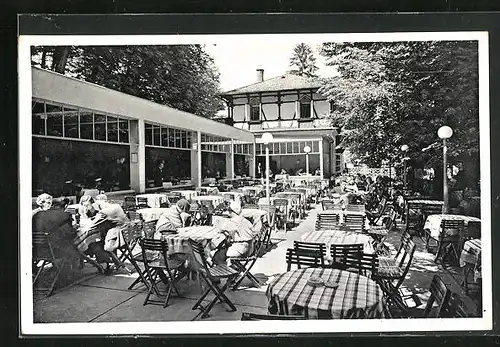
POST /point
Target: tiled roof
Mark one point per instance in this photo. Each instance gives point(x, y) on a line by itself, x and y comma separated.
point(284, 82)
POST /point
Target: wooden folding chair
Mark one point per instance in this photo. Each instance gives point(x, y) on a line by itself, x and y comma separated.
point(339, 252)
point(161, 270)
point(312, 247)
point(303, 258)
point(246, 316)
point(449, 239)
point(43, 252)
point(142, 202)
point(148, 231)
point(212, 276)
point(271, 223)
point(455, 307)
point(131, 236)
point(390, 276)
point(129, 203)
point(374, 215)
point(245, 264)
point(440, 295)
point(282, 212)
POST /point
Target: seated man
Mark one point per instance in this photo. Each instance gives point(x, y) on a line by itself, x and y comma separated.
point(239, 233)
point(172, 219)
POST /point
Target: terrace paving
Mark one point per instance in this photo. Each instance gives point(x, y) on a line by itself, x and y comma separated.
point(98, 298)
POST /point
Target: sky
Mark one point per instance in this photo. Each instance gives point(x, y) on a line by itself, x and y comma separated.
point(237, 60)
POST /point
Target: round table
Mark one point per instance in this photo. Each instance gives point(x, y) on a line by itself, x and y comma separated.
point(356, 296)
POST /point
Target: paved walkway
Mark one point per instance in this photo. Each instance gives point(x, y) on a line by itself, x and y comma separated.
point(106, 298)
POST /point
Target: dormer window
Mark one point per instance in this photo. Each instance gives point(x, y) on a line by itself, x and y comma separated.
point(305, 106)
point(254, 110)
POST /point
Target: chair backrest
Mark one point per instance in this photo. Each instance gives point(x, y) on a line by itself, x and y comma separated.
point(472, 231)
point(199, 256)
point(142, 202)
point(133, 216)
point(253, 206)
point(312, 247)
point(455, 307)
point(354, 219)
point(451, 228)
point(362, 263)
point(246, 316)
point(406, 260)
point(149, 228)
point(303, 259)
point(431, 209)
point(327, 204)
point(129, 203)
point(131, 233)
point(405, 238)
point(340, 251)
point(440, 295)
point(271, 210)
point(152, 245)
point(42, 247)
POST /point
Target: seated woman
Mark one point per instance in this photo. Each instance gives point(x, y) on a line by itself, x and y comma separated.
point(173, 219)
point(52, 219)
point(102, 235)
point(87, 208)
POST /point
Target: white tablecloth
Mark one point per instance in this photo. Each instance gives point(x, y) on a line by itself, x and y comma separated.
point(154, 199)
point(433, 222)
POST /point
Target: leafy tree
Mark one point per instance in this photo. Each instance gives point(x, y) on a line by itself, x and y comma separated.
point(390, 94)
point(180, 76)
point(303, 61)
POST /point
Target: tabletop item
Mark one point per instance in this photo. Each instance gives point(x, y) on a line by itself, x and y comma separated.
point(433, 222)
point(154, 199)
point(315, 281)
point(352, 296)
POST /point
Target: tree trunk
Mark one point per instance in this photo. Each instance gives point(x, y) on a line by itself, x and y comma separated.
point(60, 59)
point(43, 63)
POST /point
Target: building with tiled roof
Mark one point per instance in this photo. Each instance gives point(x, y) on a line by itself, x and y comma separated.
point(295, 113)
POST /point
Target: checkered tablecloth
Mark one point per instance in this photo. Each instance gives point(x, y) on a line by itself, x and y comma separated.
point(471, 253)
point(433, 222)
point(355, 297)
point(179, 243)
point(151, 213)
point(189, 195)
point(154, 200)
point(339, 237)
point(426, 202)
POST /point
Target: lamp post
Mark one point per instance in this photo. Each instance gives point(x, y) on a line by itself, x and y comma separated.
point(444, 133)
point(307, 150)
point(266, 139)
point(404, 149)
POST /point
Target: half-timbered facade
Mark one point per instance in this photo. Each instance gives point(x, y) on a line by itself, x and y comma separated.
point(291, 108)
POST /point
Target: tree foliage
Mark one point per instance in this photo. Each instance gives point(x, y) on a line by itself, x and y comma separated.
point(180, 76)
point(302, 61)
point(390, 94)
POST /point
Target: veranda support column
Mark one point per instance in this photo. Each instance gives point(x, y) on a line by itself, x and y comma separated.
point(200, 168)
point(321, 169)
point(137, 156)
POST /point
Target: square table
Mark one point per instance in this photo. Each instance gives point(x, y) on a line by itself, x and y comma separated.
point(354, 296)
point(154, 199)
point(339, 237)
point(433, 222)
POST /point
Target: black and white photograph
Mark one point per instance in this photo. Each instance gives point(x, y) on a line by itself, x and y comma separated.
point(194, 184)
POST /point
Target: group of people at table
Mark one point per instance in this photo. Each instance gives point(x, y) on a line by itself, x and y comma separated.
point(95, 234)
